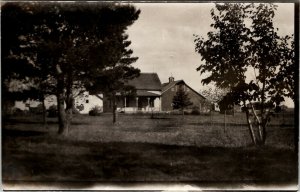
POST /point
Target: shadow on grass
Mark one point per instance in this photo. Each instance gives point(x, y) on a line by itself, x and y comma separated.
point(38, 122)
point(21, 133)
point(236, 124)
point(137, 186)
point(144, 162)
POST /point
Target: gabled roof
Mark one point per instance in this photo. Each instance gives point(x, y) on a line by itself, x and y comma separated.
point(167, 86)
point(146, 81)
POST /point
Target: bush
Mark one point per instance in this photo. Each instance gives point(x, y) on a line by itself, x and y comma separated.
point(36, 110)
point(75, 111)
point(95, 111)
point(195, 111)
point(186, 113)
point(52, 111)
point(18, 111)
point(228, 112)
point(80, 107)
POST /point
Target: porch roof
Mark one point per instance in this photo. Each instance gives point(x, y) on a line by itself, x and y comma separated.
point(146, 93)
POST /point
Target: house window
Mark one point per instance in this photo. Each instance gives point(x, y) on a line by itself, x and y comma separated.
point(87, 101)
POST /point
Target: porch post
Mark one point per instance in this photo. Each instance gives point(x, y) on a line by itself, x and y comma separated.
point(160, 103)
point(148, 103)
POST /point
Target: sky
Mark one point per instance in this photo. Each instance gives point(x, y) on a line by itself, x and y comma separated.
point(163, 38)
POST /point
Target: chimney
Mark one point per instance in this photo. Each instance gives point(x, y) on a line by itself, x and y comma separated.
point(171, 79)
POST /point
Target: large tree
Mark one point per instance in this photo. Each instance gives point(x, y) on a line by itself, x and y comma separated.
point(243, 42)
point(112, 79)
point(67, 42)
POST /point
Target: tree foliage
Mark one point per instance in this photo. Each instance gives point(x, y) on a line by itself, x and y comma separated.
point(66, 46)
point(181, 100)
point(214, 94)
point(244, 41)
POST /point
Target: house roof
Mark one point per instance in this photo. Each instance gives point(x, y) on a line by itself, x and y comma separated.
point(167, 86)
point(146, 81)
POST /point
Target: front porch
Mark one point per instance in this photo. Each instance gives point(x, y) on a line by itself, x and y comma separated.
point(139, 104)
point(144, 101)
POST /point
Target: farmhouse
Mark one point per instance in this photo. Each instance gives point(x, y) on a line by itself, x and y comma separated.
point(147, 98)
point(151, 96)
point(169, 90)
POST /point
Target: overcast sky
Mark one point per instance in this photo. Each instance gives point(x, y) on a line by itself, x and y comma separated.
point(163, 39)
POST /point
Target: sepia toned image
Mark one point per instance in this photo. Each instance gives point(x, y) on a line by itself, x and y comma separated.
point(149, 96)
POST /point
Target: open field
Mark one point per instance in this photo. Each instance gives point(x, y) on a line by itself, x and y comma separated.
point(138, 148)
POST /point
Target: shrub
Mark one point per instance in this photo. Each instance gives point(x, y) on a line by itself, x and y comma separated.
point(186, 113)
point(36, 110)
point(207, 114)
point(95, 111)
point(52, 111)
point(18, 111)
point(75, 111)
point(228, 112)
point(195, 111)
point(80, 107)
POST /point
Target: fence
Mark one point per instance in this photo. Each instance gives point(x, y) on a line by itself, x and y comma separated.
point(239, 119)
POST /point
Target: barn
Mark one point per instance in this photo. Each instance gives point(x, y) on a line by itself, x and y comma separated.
point(169, 90)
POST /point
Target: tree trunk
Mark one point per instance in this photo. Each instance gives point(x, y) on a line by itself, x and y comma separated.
point(69, 111)
point(70, 103)
point(63, 124)
point(114, 107)
point(262, 124)
point(211, 117)
point(264, 136)
point(225, 121)
point(44, 113)
point(252, 134)
point(259, 125)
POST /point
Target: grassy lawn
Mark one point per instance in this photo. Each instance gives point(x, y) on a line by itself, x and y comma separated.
point(167, 148)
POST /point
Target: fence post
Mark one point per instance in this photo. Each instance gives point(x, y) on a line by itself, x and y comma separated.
point(211, 118)
point(225, 121)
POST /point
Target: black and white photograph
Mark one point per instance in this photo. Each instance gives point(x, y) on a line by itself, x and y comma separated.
point(164, 96)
